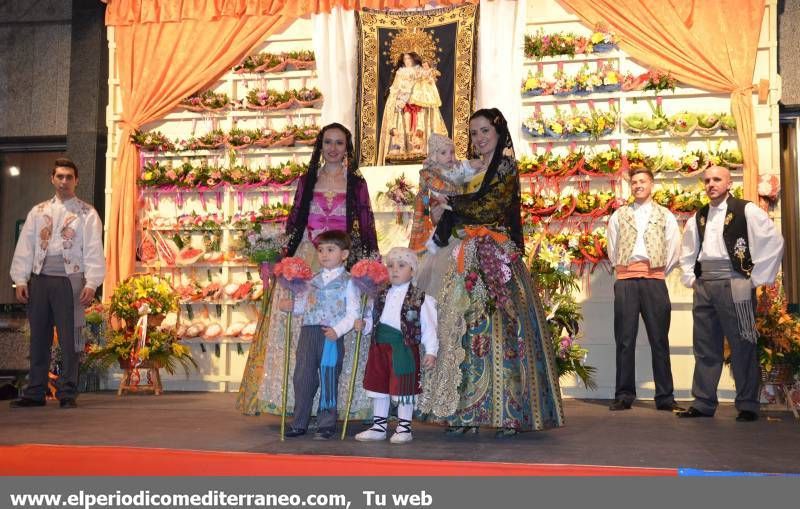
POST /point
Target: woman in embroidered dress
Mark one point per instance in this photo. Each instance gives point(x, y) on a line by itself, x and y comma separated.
point(331, 196)
point(496, 365)
point(401, 113)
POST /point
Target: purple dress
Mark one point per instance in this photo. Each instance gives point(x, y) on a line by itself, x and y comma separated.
point(327, 212)
point(260, 391)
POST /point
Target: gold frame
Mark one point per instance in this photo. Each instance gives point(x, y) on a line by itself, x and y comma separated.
point(369, 22)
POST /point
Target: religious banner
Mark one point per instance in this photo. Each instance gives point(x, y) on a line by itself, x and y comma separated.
point(415, 78)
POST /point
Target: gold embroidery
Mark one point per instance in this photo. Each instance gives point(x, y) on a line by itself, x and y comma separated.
point(728, 218)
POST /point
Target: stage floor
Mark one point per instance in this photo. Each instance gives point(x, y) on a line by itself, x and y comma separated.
point(641, 437)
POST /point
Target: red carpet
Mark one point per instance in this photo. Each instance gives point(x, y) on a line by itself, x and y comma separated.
point(131, 461)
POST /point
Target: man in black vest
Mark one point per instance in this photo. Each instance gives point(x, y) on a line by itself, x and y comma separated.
point(729, 248)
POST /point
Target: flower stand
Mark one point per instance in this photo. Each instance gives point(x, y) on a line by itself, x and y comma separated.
point(130, 378)
point(780, 376)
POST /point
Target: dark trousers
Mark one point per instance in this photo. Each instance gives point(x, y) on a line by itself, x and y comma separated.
point(306, 377)
point(50, 303)
point(650, 298)
point(715, 318)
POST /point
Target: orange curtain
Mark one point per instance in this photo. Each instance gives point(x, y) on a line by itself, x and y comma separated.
point(127, 12)
point(707, 44)
point(158, 65)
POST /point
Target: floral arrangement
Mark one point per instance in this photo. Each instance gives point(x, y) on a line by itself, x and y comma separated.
point(242, 138)
point(606, 78)
point(594, 203)
point(680, 199)
point(727, 122)
point(261, 246)
point(209, 141)
point(152, 141)
point(578, 124)
point(539, 204)
point(304, 135)
point(274, 100)
point(654, 79)
point(694, 162)
point(287, 173)
point(607, 162)
point(731, 159)
point(683, 124)
point(206, 101)
point(143, 294)
point(541, 45)
point(534, 84)
point(160, 175)
point(162, 349)
point(274, 213)
point(95, 314)
point(261, 62)
point(550, 266)
point(271, 62)
point(778, 330)
point(399, 191)
point(658, 80)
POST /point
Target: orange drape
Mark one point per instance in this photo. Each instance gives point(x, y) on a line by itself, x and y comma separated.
point(709, 44)
point(126, 12)
point(158, 65)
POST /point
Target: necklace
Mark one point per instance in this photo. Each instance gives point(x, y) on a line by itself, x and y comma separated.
point(330, 177)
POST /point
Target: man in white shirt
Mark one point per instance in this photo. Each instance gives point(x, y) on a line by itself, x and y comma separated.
point(57, 266)
point(729, 248)
point(643, 245)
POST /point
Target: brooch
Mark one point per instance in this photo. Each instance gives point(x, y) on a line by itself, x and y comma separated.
point(728, 220)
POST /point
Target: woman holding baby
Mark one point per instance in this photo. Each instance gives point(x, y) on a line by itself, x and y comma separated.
point(496, 365)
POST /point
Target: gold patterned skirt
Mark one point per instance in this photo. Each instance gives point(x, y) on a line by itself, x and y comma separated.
point(496, 367)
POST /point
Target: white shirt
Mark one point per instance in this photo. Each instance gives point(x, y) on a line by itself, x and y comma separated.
point(641, 213)
point(765, 243)
point(45, 229)
point(352, 302)
point(391, 316)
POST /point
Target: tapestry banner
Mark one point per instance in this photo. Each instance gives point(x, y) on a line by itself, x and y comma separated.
point(415, 78)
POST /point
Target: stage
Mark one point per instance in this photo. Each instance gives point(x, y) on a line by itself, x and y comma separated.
point(194, 427)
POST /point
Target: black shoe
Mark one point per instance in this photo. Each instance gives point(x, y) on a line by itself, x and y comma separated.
point(746, 416)
point(324, 434)
point(691, 413)
point(506, 433)
point(670, 407)
point(68, 403)
point(619, 404)
point(293, 432)
point(459, 431)
point(26, 403)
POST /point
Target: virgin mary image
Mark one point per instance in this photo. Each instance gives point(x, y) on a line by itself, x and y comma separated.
point(411, 113)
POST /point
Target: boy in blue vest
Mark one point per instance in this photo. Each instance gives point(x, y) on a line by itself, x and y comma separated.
point(329, 307)
point(405, 318)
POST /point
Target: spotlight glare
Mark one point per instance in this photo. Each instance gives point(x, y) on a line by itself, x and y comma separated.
point(13, 171)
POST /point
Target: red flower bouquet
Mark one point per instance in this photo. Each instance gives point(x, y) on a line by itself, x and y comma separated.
point(369, 276)
point(293, 273)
